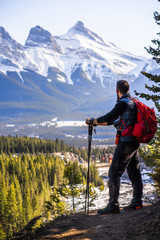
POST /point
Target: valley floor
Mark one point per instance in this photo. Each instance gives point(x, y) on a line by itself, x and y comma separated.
point(143, 224)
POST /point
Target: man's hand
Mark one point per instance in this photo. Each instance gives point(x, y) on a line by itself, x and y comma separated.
point(88, 121)
point(94, 122)
point(91, 121)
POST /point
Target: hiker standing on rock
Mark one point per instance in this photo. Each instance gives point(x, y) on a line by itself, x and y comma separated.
point(123, 116)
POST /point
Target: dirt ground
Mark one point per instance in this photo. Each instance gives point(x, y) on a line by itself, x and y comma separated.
point(142, 224)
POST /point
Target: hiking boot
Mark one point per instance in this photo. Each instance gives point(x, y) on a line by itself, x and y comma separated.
point(109, 209)
point(133, 206)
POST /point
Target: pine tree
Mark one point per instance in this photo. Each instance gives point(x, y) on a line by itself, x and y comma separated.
point(11, 210)
point(2, 233)
point(74, 177)
point(3, 195)
point(152, 157)
point(20, 219)
point(62, 145)
point(154, 89)
point(94, 174)
point(57, 145)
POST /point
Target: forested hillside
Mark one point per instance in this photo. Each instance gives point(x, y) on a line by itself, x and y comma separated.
point(29, 173)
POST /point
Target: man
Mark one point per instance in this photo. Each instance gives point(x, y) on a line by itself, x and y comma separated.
point(123, 117)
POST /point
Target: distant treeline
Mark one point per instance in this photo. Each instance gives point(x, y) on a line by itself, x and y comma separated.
point(36, 145)
point(31, 145)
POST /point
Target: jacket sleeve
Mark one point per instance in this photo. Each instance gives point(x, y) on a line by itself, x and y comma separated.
point(118, 109)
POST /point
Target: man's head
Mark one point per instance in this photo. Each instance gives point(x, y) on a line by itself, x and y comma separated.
point(122, 88)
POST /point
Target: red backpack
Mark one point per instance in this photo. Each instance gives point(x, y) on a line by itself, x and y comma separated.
point(146, 125)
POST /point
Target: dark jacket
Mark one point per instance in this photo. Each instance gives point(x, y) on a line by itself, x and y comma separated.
point(125, 109)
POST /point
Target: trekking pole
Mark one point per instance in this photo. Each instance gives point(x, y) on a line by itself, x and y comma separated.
point(90, 131)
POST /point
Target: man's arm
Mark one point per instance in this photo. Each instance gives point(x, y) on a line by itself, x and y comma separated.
point(118, 109)
point(101, 124)
point(108, 119)
point(95, 122)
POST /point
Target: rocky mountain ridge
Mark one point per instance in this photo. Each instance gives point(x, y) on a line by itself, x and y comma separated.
point(79, 48)
point(68, 76)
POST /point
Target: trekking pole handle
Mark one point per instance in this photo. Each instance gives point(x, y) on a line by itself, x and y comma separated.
point(92, 122)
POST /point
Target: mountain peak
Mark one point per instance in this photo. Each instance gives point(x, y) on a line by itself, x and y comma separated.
point(39, 37)
point(4, 34)
point(9, 47)
point(79, 28)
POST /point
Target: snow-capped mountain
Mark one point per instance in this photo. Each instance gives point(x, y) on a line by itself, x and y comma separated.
point(38, 37)
point(78, 50)
point(64, 76)
point(11, 51)
point(99, 60)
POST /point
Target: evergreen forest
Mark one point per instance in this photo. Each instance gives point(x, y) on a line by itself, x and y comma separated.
point(31, 176)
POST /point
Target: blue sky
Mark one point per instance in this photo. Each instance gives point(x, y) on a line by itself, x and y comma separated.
point(128, 24)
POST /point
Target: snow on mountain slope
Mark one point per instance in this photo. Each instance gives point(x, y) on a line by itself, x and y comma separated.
point(13, 55)
point(79, 55)
point(39, 53)
point(71, 77)
point(97, 58)
point(42, 59)
point(11, 51)
point(43, 51)
point(40, 37)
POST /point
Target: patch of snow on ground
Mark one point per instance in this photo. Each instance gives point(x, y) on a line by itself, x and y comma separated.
point(70, 124)
point(69, 136)
point(10, 125)
point(49, 80)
